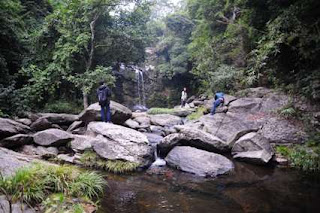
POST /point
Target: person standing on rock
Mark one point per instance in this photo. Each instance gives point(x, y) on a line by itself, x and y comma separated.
point(219, 99)
point(184, 97)
point(104, 94)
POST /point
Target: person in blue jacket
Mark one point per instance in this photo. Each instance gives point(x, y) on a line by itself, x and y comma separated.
point(219, 99)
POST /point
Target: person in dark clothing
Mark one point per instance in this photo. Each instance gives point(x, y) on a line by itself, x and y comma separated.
point(104, 94)
point(219, 99)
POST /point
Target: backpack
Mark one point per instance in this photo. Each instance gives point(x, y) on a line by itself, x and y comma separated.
point(103, 96)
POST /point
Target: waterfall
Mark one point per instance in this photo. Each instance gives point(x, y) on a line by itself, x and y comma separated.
point(159, 162)
point(140, 87)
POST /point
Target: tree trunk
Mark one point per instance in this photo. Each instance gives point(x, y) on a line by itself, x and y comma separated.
point(85, 100)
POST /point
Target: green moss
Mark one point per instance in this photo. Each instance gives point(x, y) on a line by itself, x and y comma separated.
point(155, 111)
point(196, 115)
point(91, 159)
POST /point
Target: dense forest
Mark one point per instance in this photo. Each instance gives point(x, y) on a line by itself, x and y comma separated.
point(53, 53)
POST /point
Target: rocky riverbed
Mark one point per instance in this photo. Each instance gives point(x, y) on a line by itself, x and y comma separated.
point(247, 128)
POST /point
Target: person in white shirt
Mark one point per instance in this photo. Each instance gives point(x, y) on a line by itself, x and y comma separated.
point(184, 97)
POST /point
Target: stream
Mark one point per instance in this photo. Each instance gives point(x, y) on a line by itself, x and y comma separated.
point(248, 189)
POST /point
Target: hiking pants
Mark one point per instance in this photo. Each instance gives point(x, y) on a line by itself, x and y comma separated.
point(183, 102)
point(105, 113)
point(216, 104)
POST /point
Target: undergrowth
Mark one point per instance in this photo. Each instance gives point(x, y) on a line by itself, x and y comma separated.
point(91, 159)
point(63, 106)
point(305, 157)
point(33, 184)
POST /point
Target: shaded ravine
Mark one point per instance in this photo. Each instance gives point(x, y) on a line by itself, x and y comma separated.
point(249, 189)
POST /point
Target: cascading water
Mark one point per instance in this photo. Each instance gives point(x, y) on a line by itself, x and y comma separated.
point(140, 88)
point(159, 162)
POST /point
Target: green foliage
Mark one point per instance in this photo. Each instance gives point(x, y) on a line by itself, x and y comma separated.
point(63, 106)
point(87, 80)
point(290, 111)
point(196, 115)
point(32, 184)
point(91, 159)
point(301, 156)
point(224, 79)
point(283, 150)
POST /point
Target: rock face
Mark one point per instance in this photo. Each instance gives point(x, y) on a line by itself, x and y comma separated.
point(116, 142)
point(281, 131)
point(199, 162)
point(192, 137)
point(11, 161)
point(153, 138)
point(256, 157)
point(75, 125)
point(24, 121)
point(16, 141)
point(119, 113)
point(253, 147)
point(41, 124)
point(165, 120)
point(132, 124)
point(9, 127)
point(60, 118)
point(16, 207)
point(52, 137)
point(43, 152)
point(226, 126)
point(82, 142)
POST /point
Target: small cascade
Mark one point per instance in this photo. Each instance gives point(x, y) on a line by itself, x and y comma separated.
point(159, 162)
point(140, 87)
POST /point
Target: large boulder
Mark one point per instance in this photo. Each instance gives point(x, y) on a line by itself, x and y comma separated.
point(132, 124)
point(40, 124)
point(253, 147)
point(227, 126)
point(116, 142)
point(256, 157)
point(282, 131)
point(60, 118)
point(119, 113)
point(11, 161)
point(10, 127)
point(188, 136)
point(165, 120)
point(252, 142)
point(245, 105)
point(199, 162)
point(16, 141)
point(52, 137)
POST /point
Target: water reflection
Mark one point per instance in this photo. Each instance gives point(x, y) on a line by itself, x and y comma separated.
point(248, 189)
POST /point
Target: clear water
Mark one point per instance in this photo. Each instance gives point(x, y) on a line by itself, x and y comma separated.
point(248, 189)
